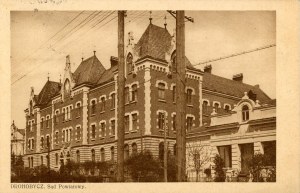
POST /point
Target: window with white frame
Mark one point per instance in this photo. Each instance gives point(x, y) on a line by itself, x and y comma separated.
point(47, 141)
point(93, 107)
point(161, 120)
point(189, 123)
point(56, 137)
point(42, 123)
point(102, 104)
point(205, 107)
point(78, 109)
point(126, 123)
point(134, 93)
point(129, 63)
point(78, 132)
point(216, 106)
point(48, 121)
point(113, 100)
point(245, 112)
point(134, 121)
point(161, 91)
point(113, 126)
point(42, 142)
point(189, 93)
point(102, 128)
point(227, 107)
point(93, 131)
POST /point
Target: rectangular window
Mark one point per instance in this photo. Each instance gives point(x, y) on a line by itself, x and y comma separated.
point(134, 92)
point(113, 101)
point(113, 127)
point(225, 154)
point(93, 131)
point(126, 120)
point(161, 120)
point(102, 129)
point(161, 91)
point(63, 115)
point(134, 121)
point(189, 96)
point(189, 123)
point(78, 132)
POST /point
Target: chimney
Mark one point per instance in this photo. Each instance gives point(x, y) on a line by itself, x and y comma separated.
point(113, 61)
point(238, 77)
point(207, 68)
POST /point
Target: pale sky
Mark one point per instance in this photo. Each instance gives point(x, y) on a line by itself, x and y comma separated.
point(35, 51)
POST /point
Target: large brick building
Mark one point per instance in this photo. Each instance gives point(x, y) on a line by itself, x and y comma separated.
point(76, 117)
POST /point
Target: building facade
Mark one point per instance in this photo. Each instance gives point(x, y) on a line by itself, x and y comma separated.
point(236, 136)
point(17, 140)
point(76, 118)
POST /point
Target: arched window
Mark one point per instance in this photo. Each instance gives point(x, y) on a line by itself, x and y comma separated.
point(216, 107)
point(93, 155)
point(161, 120)
point(102, 104)
point(48, 141)
point(112, 153)
point(173, 63)
point(42, 142)
point(113, 101)
point(67, 88)
point(161, 151)
point(161, 91)
point(227, 108)
point(78, 111)
point(134, 92)
point(93, 110)
point(126, 151)
point(78, 156)
point(189, 96)
point(129, 63)
point(134, 149)
point(204, 107)
point(102, 152)
point(245, 112)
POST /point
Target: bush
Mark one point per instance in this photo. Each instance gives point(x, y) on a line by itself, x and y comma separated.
point(219, 165)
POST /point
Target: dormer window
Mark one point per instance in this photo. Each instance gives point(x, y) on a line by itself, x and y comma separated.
point(129, 63)
point(245, 113)
point(67, 87)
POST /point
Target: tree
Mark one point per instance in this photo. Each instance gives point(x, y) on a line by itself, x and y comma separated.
point(142, 167)
point(198, 156)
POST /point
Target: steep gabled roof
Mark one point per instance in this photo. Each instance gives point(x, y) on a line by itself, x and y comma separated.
point(89, 71)
point(154, 43)
point(231, 87)
point(49, 90)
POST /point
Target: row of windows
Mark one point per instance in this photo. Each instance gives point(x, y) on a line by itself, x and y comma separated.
point(46, 143)
point(162, 118)
point(162, 93)
point(216, 106)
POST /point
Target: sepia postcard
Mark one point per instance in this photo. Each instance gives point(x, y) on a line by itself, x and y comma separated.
point(149, 96)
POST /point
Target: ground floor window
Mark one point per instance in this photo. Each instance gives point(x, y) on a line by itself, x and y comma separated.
point(225, 154)
point(247, 152)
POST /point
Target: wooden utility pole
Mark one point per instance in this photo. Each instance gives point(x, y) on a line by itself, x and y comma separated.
point(180, 92)
point(165, 151)
point(121, 98)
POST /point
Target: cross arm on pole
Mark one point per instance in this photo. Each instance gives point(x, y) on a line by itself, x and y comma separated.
point(173, 13)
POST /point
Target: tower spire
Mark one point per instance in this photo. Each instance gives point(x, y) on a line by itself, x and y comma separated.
point(150, 18)
point(165, 22)
point(48, 76)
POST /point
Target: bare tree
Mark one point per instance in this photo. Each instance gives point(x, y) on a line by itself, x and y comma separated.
point(198, 154)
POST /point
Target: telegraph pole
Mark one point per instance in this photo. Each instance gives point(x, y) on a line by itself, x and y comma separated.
point(180, 90)
point(121, 99)
point(165, 151)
